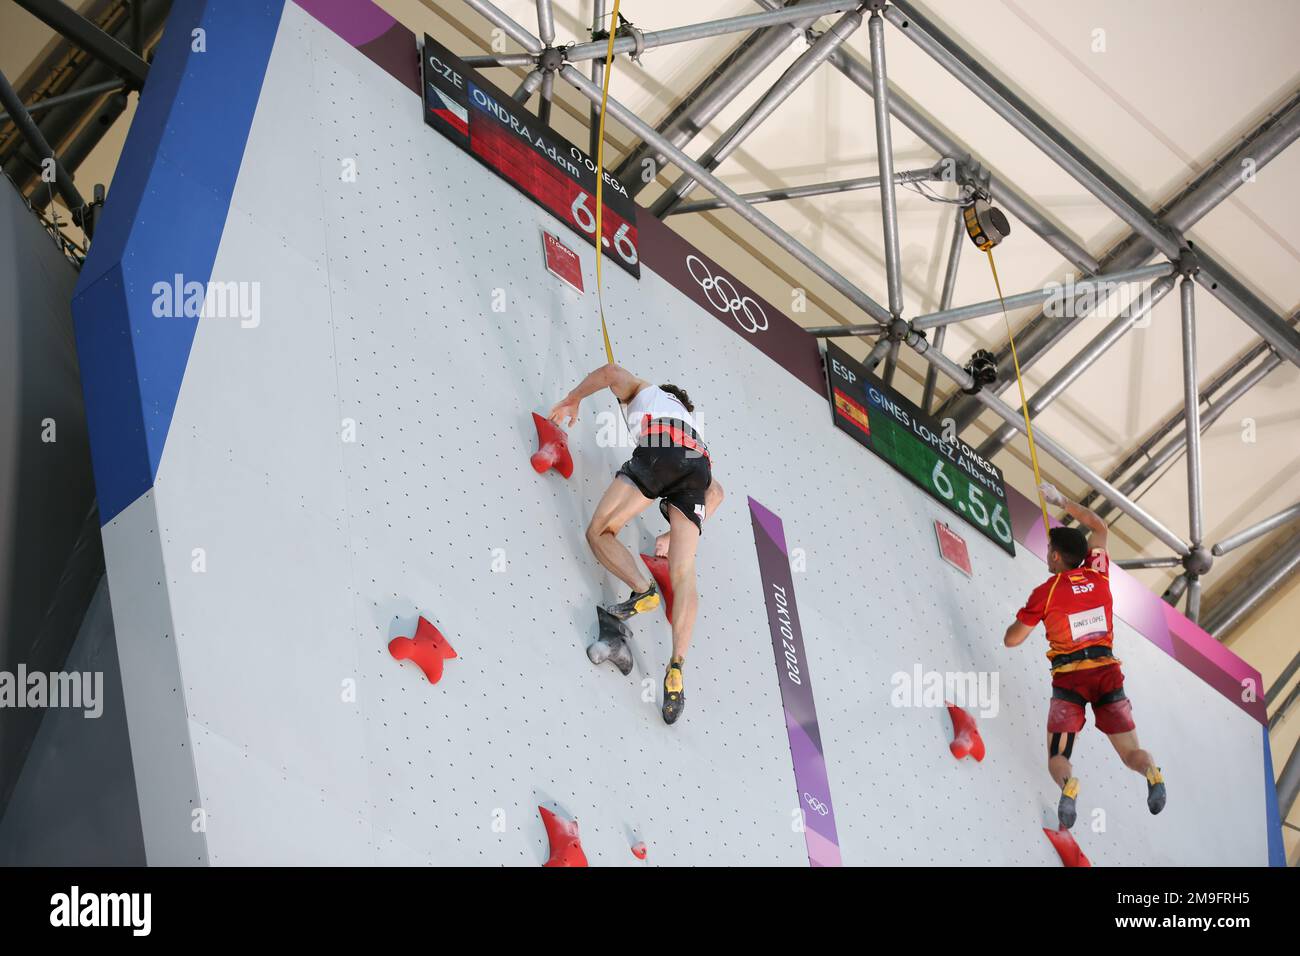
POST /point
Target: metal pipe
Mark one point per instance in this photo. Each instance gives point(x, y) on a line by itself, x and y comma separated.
point(512, 27)
point(1003, 101)
point(907, 112)
point(1218, 181)
point(1178, 442)
point(107, 49)
point(710, 182)
point(1256, 530)
point(844, 331)
point(1208, 397)
point(597, 77)
point(1055, 386)
point(1250, 308)
point(1288, 784)
point(95, 89)
point(1049, 445)
point(714, 93)
point(803, 192)
point(544, 102)
point(1281, 712)
point(84, 143)
point(1177, 588)
point(1192, 404)
point(891, 360)
point(780, 91)
point(137, 28)
point(500, 59)
point(955, 245)
point(71, 119)
point(528, 87)
point(885, 161)
point(545, 23)
point(1228, 611)
point(1282, 679)
point(713, 28)
point(36, 140)
point(878, 352)
point(1192, 609)
point(1050, 291)
point(1137, 564)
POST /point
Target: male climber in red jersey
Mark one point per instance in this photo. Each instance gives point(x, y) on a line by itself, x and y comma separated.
point(1074, 605)
point(671, 463)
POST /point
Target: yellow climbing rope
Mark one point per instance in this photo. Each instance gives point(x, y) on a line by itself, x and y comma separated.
point(600, 183)
point(1020, 382)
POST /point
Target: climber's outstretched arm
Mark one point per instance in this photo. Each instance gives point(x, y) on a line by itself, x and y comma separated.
point(617, 379)
point(1089, 519)
point(1016, 634)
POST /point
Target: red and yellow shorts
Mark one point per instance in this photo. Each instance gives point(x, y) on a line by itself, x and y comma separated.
point(1103, 688)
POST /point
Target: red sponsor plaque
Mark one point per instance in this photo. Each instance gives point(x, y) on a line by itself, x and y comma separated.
point(562, 261)
point(952, 548)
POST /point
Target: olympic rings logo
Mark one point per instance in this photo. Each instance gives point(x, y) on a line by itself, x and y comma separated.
point(749, 315)
point(816, 804)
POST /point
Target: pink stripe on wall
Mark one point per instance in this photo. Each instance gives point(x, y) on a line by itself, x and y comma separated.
point(361, 24)
point(356, 21)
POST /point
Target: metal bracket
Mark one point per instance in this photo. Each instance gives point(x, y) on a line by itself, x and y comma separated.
point(625, 29)
point(1198, 561)
point(1188, 263)
point(976, 177)
point(983, 370)
point(551, 59)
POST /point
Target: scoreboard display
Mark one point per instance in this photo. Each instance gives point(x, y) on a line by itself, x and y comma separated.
point(513, 143)
point(950, 471)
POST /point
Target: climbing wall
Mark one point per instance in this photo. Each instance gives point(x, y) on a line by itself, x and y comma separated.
point(355, 456)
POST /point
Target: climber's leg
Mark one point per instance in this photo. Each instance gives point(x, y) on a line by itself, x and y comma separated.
point(1139, 760)
point(621, 502)
point(684, 541)
point(1065, 718)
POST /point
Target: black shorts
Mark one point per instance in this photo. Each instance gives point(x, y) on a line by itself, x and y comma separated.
point(677, 476)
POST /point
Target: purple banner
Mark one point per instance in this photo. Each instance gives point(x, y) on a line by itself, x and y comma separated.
point(796, 688)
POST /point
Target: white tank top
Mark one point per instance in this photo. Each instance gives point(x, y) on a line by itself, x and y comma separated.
point(655, 402)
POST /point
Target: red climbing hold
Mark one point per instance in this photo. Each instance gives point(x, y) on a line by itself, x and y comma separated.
point(552, 448)
point(659, 570)
point(428, 649)
point(566, 850)
point(966, 739)
point(1066, 848)
point(639, 851)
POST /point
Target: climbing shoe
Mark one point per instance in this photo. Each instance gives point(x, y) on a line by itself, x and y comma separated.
point(1155, 790)
point(674, 692)
point(1065, 810)
point(638, 602)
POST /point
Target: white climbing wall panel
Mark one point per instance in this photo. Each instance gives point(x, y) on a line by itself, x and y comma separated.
point(360, 457)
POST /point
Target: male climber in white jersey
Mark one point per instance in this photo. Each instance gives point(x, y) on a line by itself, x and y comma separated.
point(670, 463)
